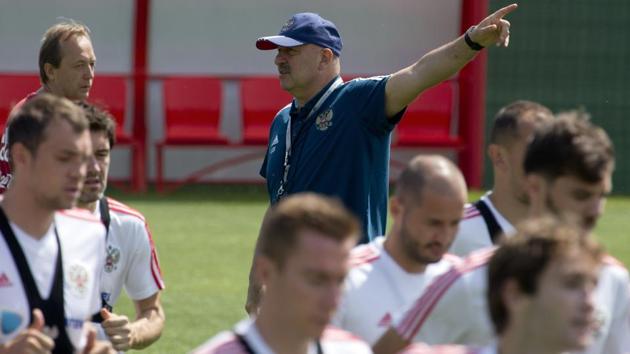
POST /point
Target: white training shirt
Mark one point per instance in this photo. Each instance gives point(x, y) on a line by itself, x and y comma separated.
point(454, 308)
point(473, 232)
point(82, 240)
point(41, 256)
point(131, 259)
point(333, 341)
point(377, 287)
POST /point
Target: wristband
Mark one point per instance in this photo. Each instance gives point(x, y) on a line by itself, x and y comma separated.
point(470, 43)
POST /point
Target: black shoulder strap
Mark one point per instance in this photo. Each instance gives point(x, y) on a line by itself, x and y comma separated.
point(244, 344)
point(104, 209)
point(53, 307)
point(491, 222)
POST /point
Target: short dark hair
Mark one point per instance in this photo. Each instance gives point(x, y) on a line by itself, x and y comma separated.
point(100, 121)
point(300, 212)
point(50, 50)
point(505, 128)
point(525, 256)
point(570, 145)
point(29, 123)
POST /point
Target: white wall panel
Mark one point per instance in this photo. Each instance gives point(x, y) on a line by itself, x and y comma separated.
point(218, 36)
point(23, 22)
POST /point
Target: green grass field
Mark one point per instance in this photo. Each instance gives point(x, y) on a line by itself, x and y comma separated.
point(205, 236)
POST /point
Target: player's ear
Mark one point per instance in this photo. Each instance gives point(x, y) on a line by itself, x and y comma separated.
point(395, 206)
point(536, 188)
point(49, 70)
point(512, 296)
point(497, 156)
point(264, 268)
point(19, 154)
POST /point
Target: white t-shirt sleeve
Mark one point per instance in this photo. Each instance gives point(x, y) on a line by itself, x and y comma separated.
point(472, 234)
point(618, 339)
point(140, 282)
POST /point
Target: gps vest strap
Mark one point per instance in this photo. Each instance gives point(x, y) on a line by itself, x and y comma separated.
point(103, 207)
point(53, 307)
point(491, 222)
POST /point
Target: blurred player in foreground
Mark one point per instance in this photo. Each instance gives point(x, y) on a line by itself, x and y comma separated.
point(305, 245)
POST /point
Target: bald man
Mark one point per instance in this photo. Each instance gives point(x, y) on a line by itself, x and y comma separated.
point(390, 272)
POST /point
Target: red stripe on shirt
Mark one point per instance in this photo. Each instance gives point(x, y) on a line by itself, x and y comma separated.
point(364, 254)
point(156, 271)
point(471, 211)
point(610, 260)
point(453, 259)
point(416, 316)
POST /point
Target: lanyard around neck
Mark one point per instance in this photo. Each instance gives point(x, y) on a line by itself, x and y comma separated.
point(288, 140)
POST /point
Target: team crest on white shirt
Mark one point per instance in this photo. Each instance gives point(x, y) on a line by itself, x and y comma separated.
point(78, 279)
point(112, 259)
point(324, 120)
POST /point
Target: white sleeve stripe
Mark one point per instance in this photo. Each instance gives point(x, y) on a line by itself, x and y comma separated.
point(359, 262)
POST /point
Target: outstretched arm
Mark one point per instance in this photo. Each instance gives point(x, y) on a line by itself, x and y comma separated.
point(441, 63)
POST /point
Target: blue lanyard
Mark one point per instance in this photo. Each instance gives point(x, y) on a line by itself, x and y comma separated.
point(288, 142)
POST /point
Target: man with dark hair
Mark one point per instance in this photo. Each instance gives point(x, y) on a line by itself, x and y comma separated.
point(390, 272)
point(507, 203)
point(568, 168)
point(50, 260)
point(579, 184)
point(541, 288)
point(131, 258)
point(305, 244)
point(66, 69)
